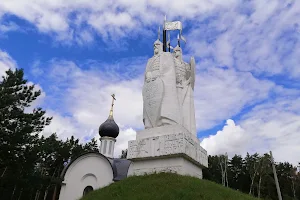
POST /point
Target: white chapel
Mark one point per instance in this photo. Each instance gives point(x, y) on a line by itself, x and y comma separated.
point(94, 170)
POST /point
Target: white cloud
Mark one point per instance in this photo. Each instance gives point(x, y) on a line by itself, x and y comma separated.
point(67, 18)
point(244, 28)
point(224, 50)
point(271, 126)
point(82, 101)
point(36, 70)
point(6, 63)
point(231, 139)
point(125, 135)
point(85, 94)
point(11, 26)
point(93, 102)
point(258, 36)
point(85, 37)
point(64, 127)
point(221, 94)
point(89, 93)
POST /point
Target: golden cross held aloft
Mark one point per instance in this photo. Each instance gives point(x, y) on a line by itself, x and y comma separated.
point(112, 105)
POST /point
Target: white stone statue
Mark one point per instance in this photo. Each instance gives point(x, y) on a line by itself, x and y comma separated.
point(169, 142)
point(185, 81)
point(160, 99)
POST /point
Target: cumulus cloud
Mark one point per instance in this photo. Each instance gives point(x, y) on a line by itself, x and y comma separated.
point(269, 126)
point(231, 139)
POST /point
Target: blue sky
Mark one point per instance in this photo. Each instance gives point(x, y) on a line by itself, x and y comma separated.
point(247, 92)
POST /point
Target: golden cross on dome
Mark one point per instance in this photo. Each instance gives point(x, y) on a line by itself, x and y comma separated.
point(112, 105)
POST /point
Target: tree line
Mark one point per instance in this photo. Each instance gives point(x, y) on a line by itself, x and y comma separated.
point(30, 164)
point(253, 174)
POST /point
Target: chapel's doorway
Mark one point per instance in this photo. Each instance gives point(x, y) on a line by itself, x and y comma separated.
point(87, 190)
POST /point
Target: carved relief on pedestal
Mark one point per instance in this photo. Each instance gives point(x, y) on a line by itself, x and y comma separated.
point(132, 149)
point(155, 146)
point(180, 143)
point(172, 144)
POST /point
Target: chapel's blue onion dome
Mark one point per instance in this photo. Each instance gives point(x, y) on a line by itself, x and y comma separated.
point(109, 128)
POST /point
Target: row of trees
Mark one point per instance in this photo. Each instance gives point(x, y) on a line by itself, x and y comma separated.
point(253, 174)
point(30, 164)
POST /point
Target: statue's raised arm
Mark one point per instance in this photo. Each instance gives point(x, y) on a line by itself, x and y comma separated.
point(193, 74)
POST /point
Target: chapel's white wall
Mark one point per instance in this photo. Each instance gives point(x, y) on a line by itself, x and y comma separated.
point(90, 169)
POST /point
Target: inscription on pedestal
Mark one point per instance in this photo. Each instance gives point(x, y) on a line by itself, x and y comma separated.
point(173, 144)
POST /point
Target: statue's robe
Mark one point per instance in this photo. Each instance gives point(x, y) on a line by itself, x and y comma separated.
point(160, 99)
point(186, 95)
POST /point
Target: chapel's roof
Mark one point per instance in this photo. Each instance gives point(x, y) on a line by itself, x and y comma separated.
point(109, 128)
point(120, 167)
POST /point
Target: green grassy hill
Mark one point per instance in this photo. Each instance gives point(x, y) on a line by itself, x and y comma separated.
point(166, 186)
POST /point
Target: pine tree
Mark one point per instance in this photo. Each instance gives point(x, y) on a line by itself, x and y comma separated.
point(124, 154)
point(19, 129)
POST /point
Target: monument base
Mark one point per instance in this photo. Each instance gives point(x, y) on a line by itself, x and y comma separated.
point(166, 149)
point(178, 165)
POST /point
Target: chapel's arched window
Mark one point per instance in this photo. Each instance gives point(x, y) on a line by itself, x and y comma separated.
point(87, 190)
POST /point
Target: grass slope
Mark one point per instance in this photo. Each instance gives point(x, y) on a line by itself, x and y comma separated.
point(166, 186)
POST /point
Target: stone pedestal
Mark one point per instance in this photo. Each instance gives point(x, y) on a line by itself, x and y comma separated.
point(166, 149)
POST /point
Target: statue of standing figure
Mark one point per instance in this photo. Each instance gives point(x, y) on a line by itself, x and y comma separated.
point(161, 105)
point(168, 91)
point(185, 81)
